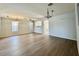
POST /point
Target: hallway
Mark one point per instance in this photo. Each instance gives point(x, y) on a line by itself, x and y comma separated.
point(37, 45)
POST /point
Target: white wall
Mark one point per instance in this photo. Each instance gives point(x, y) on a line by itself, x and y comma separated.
point(30, 23)
point(24, 27)
point(63, 26)
point(0, 27)
point(77, 24)
point(6, 27)
point(77, 21)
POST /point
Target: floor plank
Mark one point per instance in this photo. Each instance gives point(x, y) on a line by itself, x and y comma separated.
point(37, 45)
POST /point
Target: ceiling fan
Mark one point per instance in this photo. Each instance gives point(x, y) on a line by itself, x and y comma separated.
point(49, 13)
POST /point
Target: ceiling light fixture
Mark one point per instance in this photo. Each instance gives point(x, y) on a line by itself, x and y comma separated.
point(49, 12)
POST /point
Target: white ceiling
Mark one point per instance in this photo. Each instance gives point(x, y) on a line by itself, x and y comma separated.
point(34, 9)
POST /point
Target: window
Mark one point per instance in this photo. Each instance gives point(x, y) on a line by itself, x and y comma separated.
point(38, 24)
point(14, 26)
point(38, 27)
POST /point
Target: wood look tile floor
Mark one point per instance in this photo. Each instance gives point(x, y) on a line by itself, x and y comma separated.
point(37, 45)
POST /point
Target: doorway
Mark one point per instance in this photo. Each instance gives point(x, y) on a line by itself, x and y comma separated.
point(15, 27)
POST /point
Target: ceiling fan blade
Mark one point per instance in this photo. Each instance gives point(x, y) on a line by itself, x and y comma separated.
point(50, 4)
